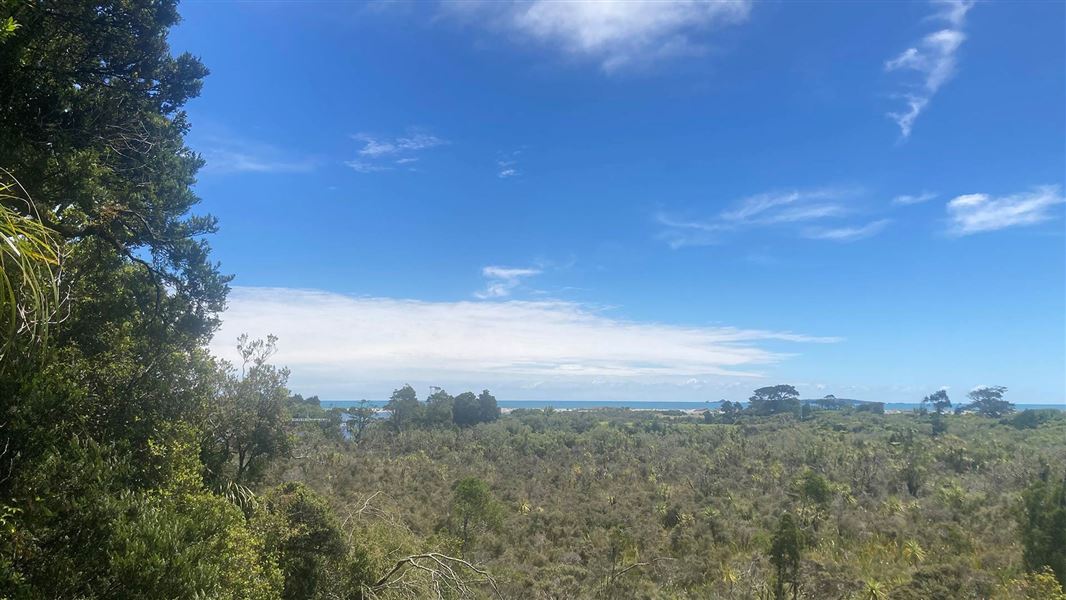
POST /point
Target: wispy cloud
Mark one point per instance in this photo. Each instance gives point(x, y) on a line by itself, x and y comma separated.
point(507, 165)
point(333, 342)
point(846, 234)
point(501, 281)
point(976, 213)
point(908, 199)
point(933, 58)
point(231, 154)
point(615, 33)
point(383, 153)
point(780, 209)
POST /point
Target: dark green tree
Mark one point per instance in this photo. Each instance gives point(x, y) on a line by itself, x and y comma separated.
point(101, 435)
point(404, 408)
point(1042, 522)
point(473, 508)
point(466, 410)
point(299, 528)
point(246, 425)
point(360, 418)
point(488, 409)
point(938, 400)
point(437, 411)
point(988, 402)
point(785, 548)
point(772, 400)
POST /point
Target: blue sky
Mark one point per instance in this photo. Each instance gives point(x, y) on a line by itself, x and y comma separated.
point(669, 201)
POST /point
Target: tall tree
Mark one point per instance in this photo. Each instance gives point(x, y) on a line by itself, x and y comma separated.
point(438, 409)
point(988, 402)
point(473, 507)
point(246, 424)
point(938, 400)
point(1042, 522)
point(488, 409)
point(785, 556)
point(404, 408)
point(774, 399)
point(466, 410)
point(300, 529)
point(91, 124)
point(105, 425)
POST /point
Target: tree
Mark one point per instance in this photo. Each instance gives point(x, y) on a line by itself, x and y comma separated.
point(785, 556)
point(829, 402)
point(488, 409)
point(404, 408)
point(247, 424)
point(773, 400)
point(298, 527)
point(938, 400)
point(101, 435)
point(473, 507)
point(438, 409)
point(360, 417)
point(815, 488)
point(988, 402)
point(92, 126)
point(1042, 521)
point(730, 410)
point(466, 410)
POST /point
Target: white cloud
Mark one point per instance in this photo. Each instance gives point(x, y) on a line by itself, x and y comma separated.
point(501, 281)
point(976, 213)
point(507, 165)
point(761, 210)
point(375, 147)
point(362, 166)
point(907, 199)
point(846, 234)
point(231, 154)
point(614, 33)
point(384, 153)
point(933, 58)
point(336, 343)
point(786, 207)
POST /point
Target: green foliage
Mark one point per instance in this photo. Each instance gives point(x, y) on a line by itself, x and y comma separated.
point(488, 410)
point(92, 127)
point(784, 555)
point(473, 508)
point(774, 400)
point(437, 411)
point(1033, 418)
point(815, 488)
point(246, 422)
point(30, 255)
point(404, 408)
point(302, 534)
point(1043, 526)
point(187, 546)
point(989, 402)
point(938, 400)
point(467, 409)
point(699, 504)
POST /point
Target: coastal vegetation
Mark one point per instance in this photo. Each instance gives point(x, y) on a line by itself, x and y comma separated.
point(134, 464)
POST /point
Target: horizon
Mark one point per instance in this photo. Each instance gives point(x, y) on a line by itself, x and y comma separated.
point(543, 200)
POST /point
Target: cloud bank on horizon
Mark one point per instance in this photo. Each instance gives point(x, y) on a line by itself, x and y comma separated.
point(346, 343)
